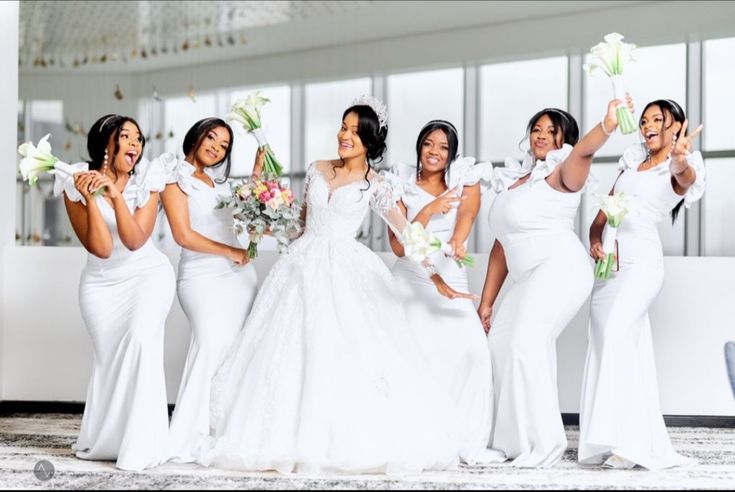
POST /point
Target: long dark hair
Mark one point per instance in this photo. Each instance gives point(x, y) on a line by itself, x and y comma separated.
point(676, 113)
point(452, 140)
point(564, 123)
point(370, 133)
point(99, 136)
point(196, 135)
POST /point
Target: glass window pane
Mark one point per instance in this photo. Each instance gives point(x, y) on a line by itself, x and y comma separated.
point(719, 79)
point(276, 125)
point(659, 72)
point(719, 208)
point(180, 114)
point(417, 98)
point(510, 93)
point(324, 104)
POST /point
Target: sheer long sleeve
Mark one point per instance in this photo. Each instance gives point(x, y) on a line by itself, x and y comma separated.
point(384, 202)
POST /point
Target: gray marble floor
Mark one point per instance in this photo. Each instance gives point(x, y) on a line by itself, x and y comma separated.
point(26, 439)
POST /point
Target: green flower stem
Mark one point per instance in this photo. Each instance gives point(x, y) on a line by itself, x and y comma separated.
point(626, 123)
point(252, 250)
point(271, 166)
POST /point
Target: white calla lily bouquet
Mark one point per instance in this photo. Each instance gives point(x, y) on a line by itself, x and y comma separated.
point(247, 113)
point(38, 159)
point(419, 243)
point(615, 207)
point(612, 56)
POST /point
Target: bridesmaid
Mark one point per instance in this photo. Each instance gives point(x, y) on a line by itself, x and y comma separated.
point(125, 293)
point(533, 219)
point(216, 284)
point(443, 194)
point(620, 421)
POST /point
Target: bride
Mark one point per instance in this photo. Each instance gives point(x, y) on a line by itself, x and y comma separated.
point(324, 376)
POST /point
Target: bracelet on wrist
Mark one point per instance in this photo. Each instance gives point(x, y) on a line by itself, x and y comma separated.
point(604, 130)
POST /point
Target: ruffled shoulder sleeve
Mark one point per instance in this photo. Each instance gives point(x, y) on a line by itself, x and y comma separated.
point(406, 188)
point(64, 183)
point(696, 190)
point(180, 172)
point(632, 157)
point(465, 171)
point(149, 177)
point(544, 168)
point(503, 178)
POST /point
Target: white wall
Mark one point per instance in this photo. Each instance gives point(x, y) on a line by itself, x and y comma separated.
point(8, 132)
point(48, 354)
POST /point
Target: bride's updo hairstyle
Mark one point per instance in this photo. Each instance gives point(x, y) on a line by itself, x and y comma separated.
point(370, 133)
point(368, 129)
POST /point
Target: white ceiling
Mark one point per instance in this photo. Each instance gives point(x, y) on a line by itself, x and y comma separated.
point(139, 36)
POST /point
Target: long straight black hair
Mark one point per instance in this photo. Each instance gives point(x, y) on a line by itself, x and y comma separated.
point(99, 136)
point(673, 112)
point(196, 135)
point(452, 140)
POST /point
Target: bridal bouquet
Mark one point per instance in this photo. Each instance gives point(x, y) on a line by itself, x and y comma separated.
point(418, 244)
point(247, 113)
point(611, 56)
point(614, 207)
point(38, 159)
point(260, 205)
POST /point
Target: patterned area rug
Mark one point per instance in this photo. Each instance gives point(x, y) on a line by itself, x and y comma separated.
point(27, 439)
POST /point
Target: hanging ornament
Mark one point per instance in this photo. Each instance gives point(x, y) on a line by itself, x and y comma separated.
point(190, 94)
point(156, 97)
point(170, 134)
point(118, 93)
point(158, 136)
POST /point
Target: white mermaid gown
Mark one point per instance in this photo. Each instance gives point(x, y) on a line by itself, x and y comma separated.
point(124, 301)
point(216, 296)
point(620, 412)
point(325, 376)
point(449, 332)
point(552, 277)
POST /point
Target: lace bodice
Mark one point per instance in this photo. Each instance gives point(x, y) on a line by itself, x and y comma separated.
point(339, 211)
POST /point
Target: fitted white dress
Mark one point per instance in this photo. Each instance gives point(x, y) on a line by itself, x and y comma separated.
point(620, 411)
point(216, 296)
point(448, 331)
point(551, 278)
point(325, 376)
point(124, 300)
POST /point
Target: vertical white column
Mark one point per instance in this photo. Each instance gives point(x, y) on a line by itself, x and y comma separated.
point(694, 109)
point(9, 22)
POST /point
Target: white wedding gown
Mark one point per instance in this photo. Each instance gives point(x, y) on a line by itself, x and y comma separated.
point(216, 296)
point(324, 376)
point(449, 332)
point(124, 300)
